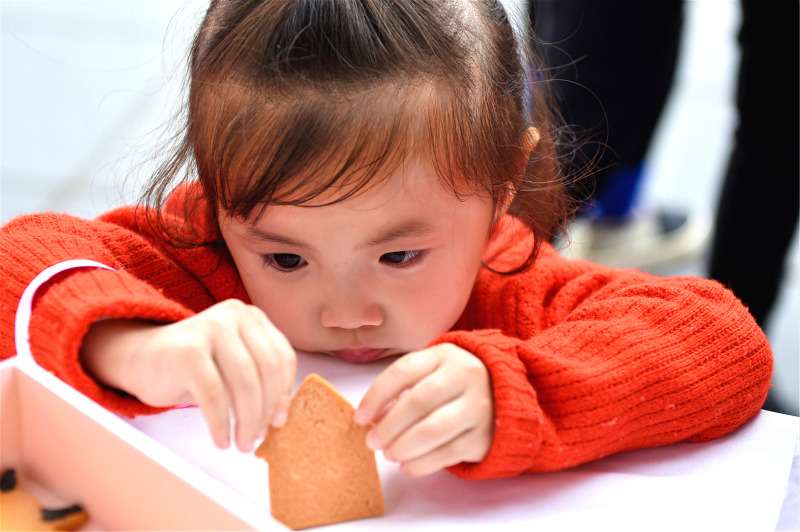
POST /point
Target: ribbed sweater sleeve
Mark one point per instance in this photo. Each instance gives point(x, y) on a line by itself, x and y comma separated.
point(150, 282)
point(586, 361)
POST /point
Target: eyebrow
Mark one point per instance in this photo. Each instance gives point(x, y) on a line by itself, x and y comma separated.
point(259, 235)
point(411, 229)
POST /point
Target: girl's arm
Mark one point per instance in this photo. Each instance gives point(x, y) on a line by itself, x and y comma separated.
point(586, 362)
point(169, 325)
point(577, 362)
point(152, 283)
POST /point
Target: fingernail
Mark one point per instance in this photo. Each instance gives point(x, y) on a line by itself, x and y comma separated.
point(373, 443)
point(262, 434)
point(223, 443)
point(280, 419)
point(360, 418)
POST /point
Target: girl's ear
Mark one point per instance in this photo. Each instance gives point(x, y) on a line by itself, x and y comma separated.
point(528, 142)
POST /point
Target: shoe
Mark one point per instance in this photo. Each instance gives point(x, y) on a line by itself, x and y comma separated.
point(644, 241)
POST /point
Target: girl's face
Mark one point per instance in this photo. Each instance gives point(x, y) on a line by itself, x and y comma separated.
point(379, 274)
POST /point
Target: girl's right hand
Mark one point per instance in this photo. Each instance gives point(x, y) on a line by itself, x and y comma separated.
point(229, 355)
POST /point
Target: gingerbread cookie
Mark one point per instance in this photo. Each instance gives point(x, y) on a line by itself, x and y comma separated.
point(19, 510)
point(320, 469)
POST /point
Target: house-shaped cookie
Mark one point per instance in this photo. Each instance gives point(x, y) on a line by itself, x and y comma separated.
point(320, 469)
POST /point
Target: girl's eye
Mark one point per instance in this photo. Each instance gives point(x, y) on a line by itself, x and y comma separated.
point(403, 259)
point(284, 261)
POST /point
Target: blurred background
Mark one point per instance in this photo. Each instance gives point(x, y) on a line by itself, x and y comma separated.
point(89, 86)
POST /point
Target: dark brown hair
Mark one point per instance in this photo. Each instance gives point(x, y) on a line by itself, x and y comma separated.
point(292, 98)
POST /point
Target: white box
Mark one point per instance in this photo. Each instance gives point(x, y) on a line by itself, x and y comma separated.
point(79, 452)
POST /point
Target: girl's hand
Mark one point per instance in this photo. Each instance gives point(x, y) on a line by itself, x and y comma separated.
point(229, 355)
point(432, 409)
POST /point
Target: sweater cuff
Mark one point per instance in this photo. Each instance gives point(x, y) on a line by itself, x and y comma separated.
point(70, 303)
point(518, 417)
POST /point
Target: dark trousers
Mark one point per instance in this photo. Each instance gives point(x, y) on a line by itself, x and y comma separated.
point(614, 62)
point(758, 207)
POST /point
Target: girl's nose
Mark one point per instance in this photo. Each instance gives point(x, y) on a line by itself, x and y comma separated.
point(350, 313)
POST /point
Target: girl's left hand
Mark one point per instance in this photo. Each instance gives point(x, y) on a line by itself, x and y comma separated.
point(432, 409)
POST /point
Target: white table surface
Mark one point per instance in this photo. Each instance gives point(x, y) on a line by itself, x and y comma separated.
point(738, 482)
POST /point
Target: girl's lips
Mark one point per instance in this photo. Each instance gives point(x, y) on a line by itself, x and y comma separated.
point(359, 356)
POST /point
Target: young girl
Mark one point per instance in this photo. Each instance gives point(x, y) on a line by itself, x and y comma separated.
point(372, 179)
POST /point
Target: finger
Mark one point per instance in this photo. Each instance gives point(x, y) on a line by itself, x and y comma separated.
point(241, 378)
point(282, 411)
point(208, 391)
point(443, 425)
point(425, 399)
point(276, 364)
point(391, 383)
point(255, 333)
point(289, 375)
point(447, 455)
point(287, 369)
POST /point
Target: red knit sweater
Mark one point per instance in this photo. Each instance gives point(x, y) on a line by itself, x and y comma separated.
point(585, 361)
